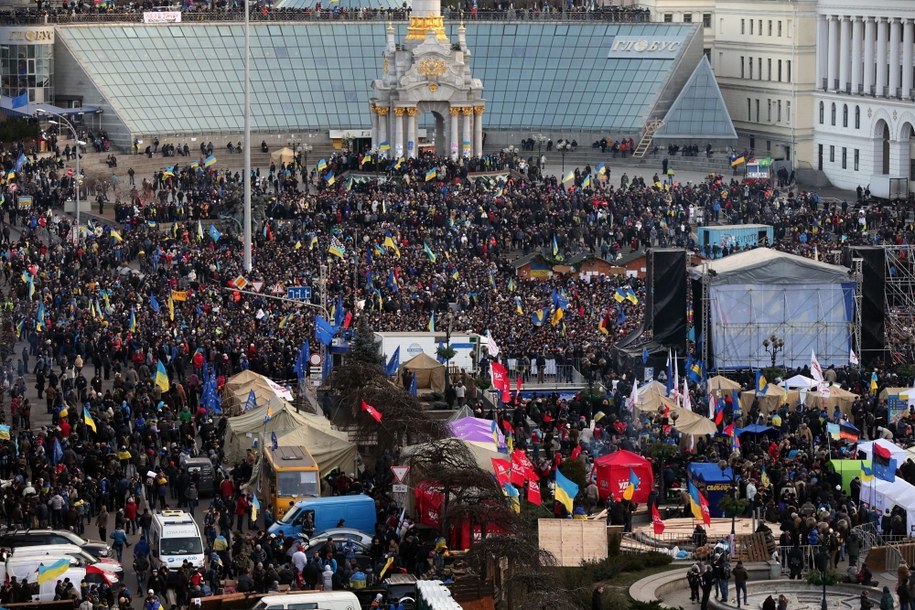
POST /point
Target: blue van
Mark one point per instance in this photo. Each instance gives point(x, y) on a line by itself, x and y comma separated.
point(357, 510)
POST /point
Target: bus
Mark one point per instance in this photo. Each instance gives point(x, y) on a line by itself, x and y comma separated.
point(289, 474)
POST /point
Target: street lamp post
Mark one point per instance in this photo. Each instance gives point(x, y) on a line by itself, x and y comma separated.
point(449, 318)
point(76, 179)
point(723, 465)
point(773, 346)
point(306, 148)
point(563, 148)
point(823, 561)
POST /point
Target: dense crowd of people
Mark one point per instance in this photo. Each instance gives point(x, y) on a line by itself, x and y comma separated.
point(420, 240)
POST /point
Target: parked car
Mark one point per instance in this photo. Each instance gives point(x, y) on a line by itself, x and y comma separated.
point(342, 533)
point(17, 538)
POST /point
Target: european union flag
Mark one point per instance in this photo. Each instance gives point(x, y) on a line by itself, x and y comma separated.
point(324, 332)
point(393, 364)
point(274, 442)
point(214, 233)
point(413, 390)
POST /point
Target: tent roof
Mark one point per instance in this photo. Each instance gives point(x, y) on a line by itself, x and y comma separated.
point(722, 383)
point(461, 413)
point(474, 429)
point(330, 448)
point(799, 381)
point(621, 458)
point(754, 429)
point(689, 422)
point(422, 362)
point(708, 472)
point(699, 112)
point(482, 454)
point(767, 266)
point(650, 395)
point(283, 419)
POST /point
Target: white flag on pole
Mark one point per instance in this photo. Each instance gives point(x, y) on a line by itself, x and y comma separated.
point(687, 403)
point(816, 371)
point(634, 396)
point(852, 357)
point(491, 346)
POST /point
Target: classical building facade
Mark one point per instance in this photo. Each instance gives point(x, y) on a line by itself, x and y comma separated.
point(427, 74)
point(863, 105)
point(762, 54)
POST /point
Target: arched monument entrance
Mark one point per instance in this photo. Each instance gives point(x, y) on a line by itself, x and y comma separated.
point(427, 74)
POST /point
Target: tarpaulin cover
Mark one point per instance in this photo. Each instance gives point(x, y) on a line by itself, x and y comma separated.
point(613, 475)
point(475, 429)
point(884, 495)
point(244, 429)
point(330, 448)
point(770, 399)
point(754, 294)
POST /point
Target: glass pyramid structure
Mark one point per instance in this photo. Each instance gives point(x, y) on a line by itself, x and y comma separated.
point(699, 112)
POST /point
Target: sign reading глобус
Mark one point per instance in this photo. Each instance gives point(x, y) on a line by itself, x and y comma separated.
point(642, 47)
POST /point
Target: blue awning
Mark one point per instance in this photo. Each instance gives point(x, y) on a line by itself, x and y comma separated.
point(32, 108)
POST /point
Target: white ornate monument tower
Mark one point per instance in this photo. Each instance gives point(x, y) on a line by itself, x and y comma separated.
point(427, 73)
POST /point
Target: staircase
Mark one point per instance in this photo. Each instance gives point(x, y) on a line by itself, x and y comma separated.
point(645, 143)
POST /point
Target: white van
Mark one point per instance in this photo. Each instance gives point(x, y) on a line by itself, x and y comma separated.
point(174, 539)
point(325, 600)
point(78, 557)
point(45, 591)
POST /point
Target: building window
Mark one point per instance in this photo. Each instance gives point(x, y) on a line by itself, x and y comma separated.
point(757, 111)
point(743, 26)
point(752, 142)
point(768, 146)
point(779, 29)
point(760, 27)
point(844, 115)
point(668, 17)
point(759, 65)
point(751, 68)
point(820, 157)
point(844, 158)
point(857, 158)
point(857, 117)
point(687, 18)
point(779, 116)
point(770, 27)
point(769, 115)
point(789, 70)
point(706, 20)
point(822, 112)
point(769, 67)
point(832, 115)
point(708, 54)
point(751, 27)
point(832, 153)
point(742, 67)
point(779, 70)
point(788, 112)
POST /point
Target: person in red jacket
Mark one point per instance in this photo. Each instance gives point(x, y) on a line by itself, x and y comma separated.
point(241, 510)
point(227, 489)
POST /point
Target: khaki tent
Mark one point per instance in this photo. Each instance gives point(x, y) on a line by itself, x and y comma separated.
point(330, 448)
point(837, 397)
point(722, 383)
point(238, 387)
point(244, 429)
point(688, 422)
point(482, 453)
point(771, 399)
point(283, 155)
point(430, 373)
point(650, 396)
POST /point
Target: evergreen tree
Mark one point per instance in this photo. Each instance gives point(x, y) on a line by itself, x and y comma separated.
point(363, 348)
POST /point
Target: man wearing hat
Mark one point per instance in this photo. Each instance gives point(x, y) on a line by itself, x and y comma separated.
point(152, 602)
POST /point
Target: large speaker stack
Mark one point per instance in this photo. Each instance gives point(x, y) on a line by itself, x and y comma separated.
point(873, 301)
point(666, 297)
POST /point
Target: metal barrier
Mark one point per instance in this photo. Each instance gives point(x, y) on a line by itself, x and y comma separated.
point(67, 18)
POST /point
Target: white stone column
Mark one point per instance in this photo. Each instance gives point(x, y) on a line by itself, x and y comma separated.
point(895, 41)
point(844, 52)
point(832, 67)
point(412, 144)
point(375, 140)
point(382, 129)
point(870, 38)
point(455, 135)
point(899, 157)
point(398, 132)
point(908, 41)
point(882, 40)
point(822, 51)
point(478, 131)
point(468, 129)
point(857, 41)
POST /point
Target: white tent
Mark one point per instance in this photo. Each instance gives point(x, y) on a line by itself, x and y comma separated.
point(896, 452)
point(799, 381)
point(883, 495)
point(650, 394)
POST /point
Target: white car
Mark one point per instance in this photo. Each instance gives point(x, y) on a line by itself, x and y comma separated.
point(78, 557)
point(340, 534)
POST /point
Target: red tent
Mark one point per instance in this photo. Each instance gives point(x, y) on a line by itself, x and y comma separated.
point(613, 475)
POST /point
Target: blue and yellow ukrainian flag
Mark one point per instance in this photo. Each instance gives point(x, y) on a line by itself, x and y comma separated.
point(53, 571)
point(429, 252)
point(322, 165)
point(161, 377)
point(210, 160)
point(87, 418)
point(431, 174)
point(132, 321)
point(565, 491)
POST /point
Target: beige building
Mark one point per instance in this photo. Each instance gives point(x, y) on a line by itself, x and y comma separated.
point(763, 53)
